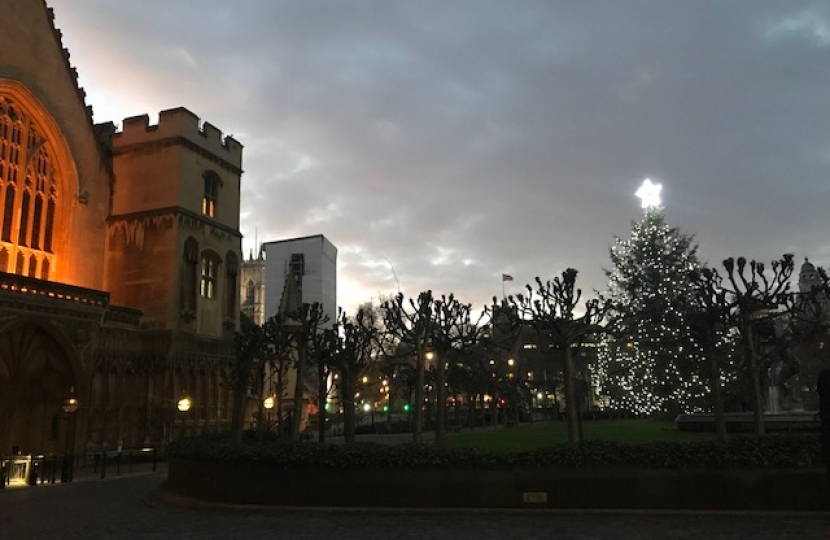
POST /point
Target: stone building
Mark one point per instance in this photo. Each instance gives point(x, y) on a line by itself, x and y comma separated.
point(252, 292)
point(119, 255)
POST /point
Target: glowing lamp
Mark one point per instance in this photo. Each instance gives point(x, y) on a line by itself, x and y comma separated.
point(71, 403)
point(183, 404)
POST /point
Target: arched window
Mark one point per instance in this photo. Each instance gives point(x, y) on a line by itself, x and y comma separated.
point(210, 270)
point(28, 191)
point(211, 193)
point(250, 292)
point(32, 266)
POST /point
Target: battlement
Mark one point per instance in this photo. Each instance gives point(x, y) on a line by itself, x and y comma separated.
point(179, 123)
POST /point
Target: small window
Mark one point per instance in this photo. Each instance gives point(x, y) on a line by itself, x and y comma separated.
point(211, 193)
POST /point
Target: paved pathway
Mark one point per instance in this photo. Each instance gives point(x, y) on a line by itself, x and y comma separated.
point(117, 509)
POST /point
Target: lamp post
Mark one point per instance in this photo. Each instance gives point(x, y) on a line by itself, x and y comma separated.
point(183, 405)
point(268, 403)
point(70, 406)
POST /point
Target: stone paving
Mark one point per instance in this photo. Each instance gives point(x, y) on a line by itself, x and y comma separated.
point(119, 508)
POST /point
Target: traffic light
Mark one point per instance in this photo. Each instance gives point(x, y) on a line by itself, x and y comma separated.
point(406, 407)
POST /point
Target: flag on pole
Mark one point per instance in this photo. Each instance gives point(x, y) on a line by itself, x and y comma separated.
point(506, 277)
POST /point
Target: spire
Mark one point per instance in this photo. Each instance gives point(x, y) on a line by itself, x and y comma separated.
point(292, 298)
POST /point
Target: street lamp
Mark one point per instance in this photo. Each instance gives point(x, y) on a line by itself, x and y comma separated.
point(70, 406)
point(268, 403)
point(183, 405)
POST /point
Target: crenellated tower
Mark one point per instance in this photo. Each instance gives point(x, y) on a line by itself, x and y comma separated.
point(174, 246)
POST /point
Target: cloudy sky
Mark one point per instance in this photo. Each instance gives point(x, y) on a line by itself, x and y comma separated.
point(458, 140)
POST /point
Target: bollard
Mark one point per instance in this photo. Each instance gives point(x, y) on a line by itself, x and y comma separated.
point(118, 464)
point(54, 467)
point(32, 479)
point(2, 473)
point(155, 459)
point(103, 464)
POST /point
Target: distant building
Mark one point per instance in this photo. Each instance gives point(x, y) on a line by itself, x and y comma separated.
point(300, 271)
point(252, 288)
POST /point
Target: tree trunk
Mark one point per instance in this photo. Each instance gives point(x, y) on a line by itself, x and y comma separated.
point(280, 399)
point(494, 410)
point(238, 412)
point(440, 401)
point(321, 403)
point(720, 416)
point(349, 388)
point(570, 398)
point(417, 426)
point(757, 396)
point(299, 390)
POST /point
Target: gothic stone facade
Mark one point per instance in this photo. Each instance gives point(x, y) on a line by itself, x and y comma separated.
point(119, 255)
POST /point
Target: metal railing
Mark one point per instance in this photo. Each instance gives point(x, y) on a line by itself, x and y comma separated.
point(28, 470)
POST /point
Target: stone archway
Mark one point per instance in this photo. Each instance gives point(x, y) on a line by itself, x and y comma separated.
point(36, 374)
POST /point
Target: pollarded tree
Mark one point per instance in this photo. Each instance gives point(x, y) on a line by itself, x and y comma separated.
point(247, 369)
point(452, 330)
point(323, 348)
point(357, 345)
point(551, 308)
point(280, 354)
point(436, 325)
point(758, 301)
point(411, 327)
point(303, 324)
point(708, 314)
point(653, 362)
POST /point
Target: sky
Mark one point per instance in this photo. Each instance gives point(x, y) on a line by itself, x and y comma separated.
point(440, 144)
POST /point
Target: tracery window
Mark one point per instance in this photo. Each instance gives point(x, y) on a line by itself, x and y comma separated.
point(250, 292)
point(28, 193)
point(210, 265)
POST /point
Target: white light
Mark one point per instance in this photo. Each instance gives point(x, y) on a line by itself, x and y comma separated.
point(649, 194)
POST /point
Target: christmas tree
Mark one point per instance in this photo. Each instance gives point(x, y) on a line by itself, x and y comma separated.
point(651, 363)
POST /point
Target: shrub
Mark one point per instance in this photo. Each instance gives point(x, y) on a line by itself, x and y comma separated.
point(772, 451)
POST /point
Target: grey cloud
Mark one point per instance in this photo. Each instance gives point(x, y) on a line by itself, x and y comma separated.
point(512, 134)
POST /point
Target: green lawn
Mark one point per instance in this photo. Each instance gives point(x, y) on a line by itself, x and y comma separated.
point(538, 434)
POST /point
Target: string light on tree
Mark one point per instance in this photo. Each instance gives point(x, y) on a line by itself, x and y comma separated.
point(655, 365)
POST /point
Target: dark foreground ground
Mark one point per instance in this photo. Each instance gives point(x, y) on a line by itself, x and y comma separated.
point(118, 508)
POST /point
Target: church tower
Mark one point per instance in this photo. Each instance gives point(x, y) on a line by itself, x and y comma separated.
point(174, 242)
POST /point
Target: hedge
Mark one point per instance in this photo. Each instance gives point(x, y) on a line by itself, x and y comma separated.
point(771, 451)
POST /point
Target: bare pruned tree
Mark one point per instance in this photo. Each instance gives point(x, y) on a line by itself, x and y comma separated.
point(550, 309)
point(757, 300)
point(357, 344)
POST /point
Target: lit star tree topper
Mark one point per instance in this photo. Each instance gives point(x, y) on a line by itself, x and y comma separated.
point(649, 194)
